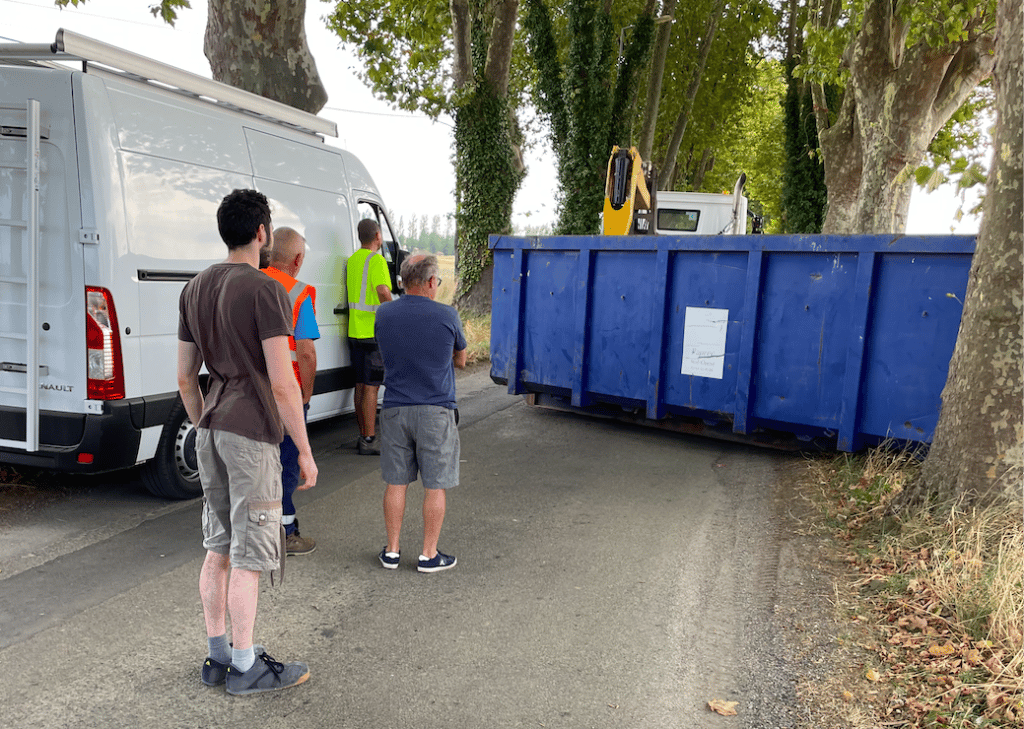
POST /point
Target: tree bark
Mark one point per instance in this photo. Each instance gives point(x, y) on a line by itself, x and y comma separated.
point(488, 165)
point(977, 451)
point(661, 45)
point(260, 46)
point(683, 119)
point(896, 100)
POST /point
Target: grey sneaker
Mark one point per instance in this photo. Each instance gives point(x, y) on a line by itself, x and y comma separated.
point(369, 447)
point(266, 674)
point(214, 672)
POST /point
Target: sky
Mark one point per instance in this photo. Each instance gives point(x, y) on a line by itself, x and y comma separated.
point(409, 155)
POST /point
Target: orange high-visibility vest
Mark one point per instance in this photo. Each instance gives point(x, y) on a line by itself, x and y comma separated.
point(297, 293)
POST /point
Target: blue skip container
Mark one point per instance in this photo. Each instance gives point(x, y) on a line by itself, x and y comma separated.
point(845, 339)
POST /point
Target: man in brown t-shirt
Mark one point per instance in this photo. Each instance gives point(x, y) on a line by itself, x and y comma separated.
point(237, 321)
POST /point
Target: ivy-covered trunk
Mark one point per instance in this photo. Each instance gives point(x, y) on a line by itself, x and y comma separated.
point(260, 46)
point(978, 447)
point(487, 177)
point(588, 100)
point(488, 165)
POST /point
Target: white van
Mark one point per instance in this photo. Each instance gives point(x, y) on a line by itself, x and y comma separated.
point(111, 172)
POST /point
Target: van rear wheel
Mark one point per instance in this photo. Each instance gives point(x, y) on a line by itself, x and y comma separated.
point(173, 473)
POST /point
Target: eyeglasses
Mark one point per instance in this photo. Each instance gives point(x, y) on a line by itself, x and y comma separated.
point(439, 280)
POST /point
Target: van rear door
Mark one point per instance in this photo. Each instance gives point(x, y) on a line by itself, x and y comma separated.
point(59, 337)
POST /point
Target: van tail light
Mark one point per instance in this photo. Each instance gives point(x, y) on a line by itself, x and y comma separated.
point(103, 346)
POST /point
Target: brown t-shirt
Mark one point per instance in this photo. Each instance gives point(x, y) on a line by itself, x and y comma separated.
point(227, 311)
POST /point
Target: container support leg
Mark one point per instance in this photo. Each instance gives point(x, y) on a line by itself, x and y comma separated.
point(515, 361)
point(581, 353)
point(655, 352)
point(857, 344)
point(748, 340)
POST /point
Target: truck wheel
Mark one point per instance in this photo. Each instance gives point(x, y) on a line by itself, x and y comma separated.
point(173, 473)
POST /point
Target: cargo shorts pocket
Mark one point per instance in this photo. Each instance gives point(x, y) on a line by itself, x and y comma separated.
point(263, 534)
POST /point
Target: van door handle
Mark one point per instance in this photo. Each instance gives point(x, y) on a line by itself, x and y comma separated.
point(341, 308)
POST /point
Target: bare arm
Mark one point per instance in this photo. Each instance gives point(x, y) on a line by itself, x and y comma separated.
point(288, 397)
point(383, 293)
point(459, 358)
point(189, 362)
point(305, 351)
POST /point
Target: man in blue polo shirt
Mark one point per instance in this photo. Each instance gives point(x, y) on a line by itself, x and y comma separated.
point(421, 342)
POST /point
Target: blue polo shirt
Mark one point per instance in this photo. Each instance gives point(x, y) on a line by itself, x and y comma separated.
point(417, 337)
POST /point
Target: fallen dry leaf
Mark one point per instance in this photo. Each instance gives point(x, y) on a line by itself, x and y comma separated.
point(872, 675)
point(725, 708)
point(946, 649)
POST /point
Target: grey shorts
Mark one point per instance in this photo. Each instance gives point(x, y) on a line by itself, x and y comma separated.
point(242, 506)
point(419, 439)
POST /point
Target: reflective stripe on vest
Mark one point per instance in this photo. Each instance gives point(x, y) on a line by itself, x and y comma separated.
point(297, 294)
point(361, 305)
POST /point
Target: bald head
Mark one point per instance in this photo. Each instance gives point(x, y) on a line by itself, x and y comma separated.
point(288, 251)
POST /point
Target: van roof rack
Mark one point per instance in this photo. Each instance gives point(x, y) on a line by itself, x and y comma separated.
point(70, 46)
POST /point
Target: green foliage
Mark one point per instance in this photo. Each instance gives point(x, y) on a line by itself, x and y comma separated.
point(585, 95)
point(804, 195)
point(403, 46)
point(167, 10)
point(427, 235)
point(736, 102)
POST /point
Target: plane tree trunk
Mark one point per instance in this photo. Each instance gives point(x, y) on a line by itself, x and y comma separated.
point(977, 451)
point(260, 46)
point(896, 100)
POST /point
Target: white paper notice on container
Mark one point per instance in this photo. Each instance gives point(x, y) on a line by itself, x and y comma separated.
point(704, 341)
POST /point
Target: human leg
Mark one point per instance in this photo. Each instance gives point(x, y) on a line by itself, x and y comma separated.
point(437, 452)
point(434, 505)
point(368, 408)
point(398, 469)
point(213, 591)
point(289, 482)
point(243, 591)
point(295, 543)
point(394, 512)
point(358, 396)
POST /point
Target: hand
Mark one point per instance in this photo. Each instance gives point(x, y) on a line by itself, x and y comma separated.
point(307, 471)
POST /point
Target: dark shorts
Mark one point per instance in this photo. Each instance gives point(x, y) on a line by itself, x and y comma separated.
point(367, 362)
point(419, 440)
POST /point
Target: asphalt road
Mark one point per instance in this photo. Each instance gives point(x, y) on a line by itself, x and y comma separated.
point(608, 576)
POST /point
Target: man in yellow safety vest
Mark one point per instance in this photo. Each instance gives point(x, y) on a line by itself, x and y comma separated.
point(369, 285)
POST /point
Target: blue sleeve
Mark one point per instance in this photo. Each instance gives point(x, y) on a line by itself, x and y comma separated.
point(460, 338)
point(306, 326)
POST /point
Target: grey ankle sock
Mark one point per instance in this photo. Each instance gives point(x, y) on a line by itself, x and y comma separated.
point(220, 649)
point(243, 660)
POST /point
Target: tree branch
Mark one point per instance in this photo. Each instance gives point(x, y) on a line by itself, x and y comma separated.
point(499, 50)
point(972, 64)
point(462, 70)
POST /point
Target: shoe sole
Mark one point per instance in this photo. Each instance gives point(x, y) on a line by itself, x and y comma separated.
point(299, 554)
point(387, 566)
point(440, 568)
point(247, 692)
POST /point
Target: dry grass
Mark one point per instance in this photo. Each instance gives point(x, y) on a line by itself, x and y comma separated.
point(476, 329)
point(943, 589)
